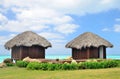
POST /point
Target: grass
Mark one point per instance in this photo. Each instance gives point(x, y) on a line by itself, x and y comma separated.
point(22, 73)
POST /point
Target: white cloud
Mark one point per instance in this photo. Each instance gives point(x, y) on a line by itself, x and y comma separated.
point(80, 7)
point(36, 20)
point(62, 20)
point(4, 39)
point(65, 6)
point(39, 15)
point(58, 49)
point(42, 13)
point(66, 28)
point(117, 19)
point(114, 28)
point(3, 19)
point(51, 35)
point(12, 35)
point(106, 29)
point(58, 41)
point(20, 26)
point(117, 28)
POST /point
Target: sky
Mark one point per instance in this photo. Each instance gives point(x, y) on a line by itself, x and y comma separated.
point(60, 21)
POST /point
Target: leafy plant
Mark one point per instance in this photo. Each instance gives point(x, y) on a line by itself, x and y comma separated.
point(51, 66)
point(69, 66)
point(10, 64)
point(22, 63)
point(37, 66)
point(58, 66)
point(109, 63)
point(44, 66)
point(97, 65)
point(33, 66)
point(8, 60)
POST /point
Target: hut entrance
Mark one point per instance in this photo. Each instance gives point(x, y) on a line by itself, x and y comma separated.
point(101, 52)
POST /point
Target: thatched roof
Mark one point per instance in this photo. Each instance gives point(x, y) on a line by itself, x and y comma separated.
point(88, 39)
point(28, 39)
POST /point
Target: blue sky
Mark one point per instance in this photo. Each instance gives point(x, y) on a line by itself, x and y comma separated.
point(60, 21)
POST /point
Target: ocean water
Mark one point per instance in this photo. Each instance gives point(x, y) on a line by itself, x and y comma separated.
point(47, 57)
point(57, 56)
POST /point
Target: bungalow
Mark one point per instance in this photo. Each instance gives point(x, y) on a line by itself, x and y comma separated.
point(27, 44)
point(88, 45)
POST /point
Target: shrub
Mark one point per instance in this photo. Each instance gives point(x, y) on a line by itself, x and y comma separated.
point(43, 66)
point(88, 65)
point(109, 63)
point(58, 66)
point(65, 66)
point(37, 66)
point(33, 66)
point(68, 66)
point(22, 63)
point(118, 61)
point(80, 65)
point(10, 64)
point(72, 66)
point(97, 65)
point(51, 66)
point(8, 60)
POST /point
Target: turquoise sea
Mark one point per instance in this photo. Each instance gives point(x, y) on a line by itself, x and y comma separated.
point(47, 57)
point(59, 56)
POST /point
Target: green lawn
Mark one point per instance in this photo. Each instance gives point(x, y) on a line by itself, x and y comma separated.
point(21, 73)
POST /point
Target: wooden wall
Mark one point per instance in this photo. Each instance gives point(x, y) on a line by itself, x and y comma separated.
point(15, 53)
point(79, 54)
point(86, 53)
point(94, 52)
point(32, 52)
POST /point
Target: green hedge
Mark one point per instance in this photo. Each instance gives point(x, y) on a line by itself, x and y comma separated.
point(22, 63)
point(10, 64)
point(109, 63)
point(118, 61)
point(37, 66)
point(68, 66)
point(98, 65)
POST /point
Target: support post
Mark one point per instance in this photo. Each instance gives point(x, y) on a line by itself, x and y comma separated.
point(88, 53)
point(104, 54)
point(20, 52)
